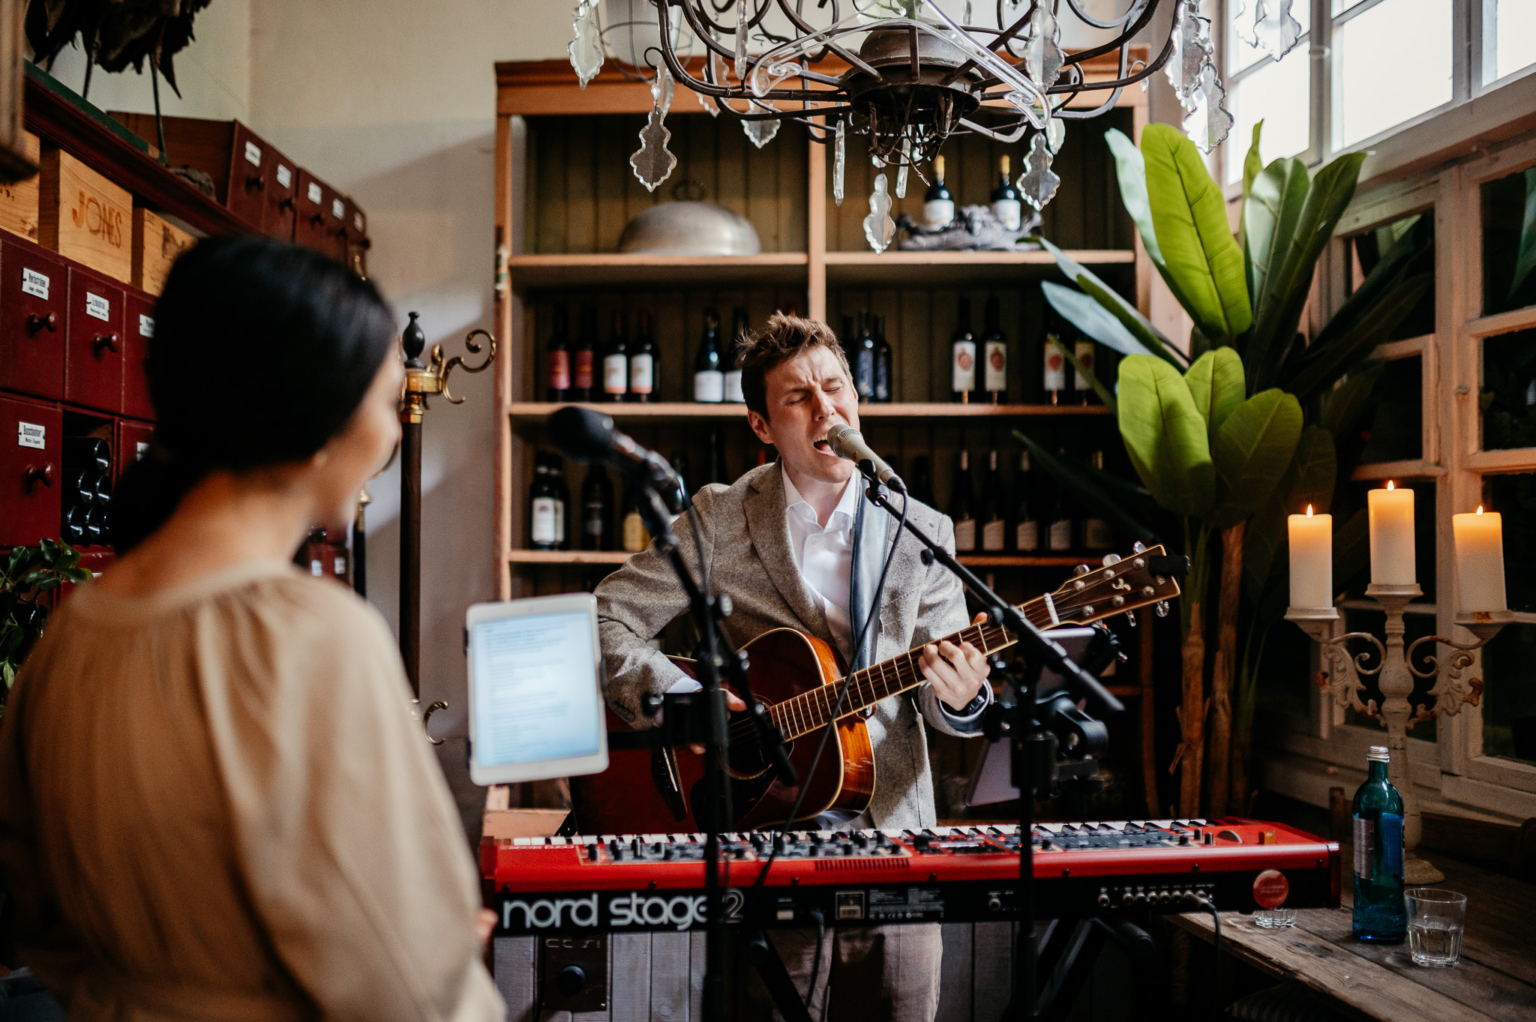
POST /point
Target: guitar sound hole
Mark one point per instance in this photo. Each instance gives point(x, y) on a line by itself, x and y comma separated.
point(747, 758)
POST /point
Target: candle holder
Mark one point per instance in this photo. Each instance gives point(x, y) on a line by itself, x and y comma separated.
point(1394, 670)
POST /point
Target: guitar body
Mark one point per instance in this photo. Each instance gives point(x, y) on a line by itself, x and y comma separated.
point(656, 791)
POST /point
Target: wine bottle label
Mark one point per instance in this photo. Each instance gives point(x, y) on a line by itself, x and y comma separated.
point(733, 386)
point(1055, 369)
point(559, 370)
point(1027, 537)
point(583, 372)
point(641, 370)
point(615, 374)
point(593, 517)
point(1096, 534)
point(1084, 352)
point(992, 534)
point(965, 535)
point(938, 213)
point(635, 536)
point(1009, 213)
point(544, 519)
point(709, 386)
point(963, 367)
point(996, 371)
point(1365, 845)
point(560, 532)
point(864, 374)
point(882, 380)
point(1061, 535)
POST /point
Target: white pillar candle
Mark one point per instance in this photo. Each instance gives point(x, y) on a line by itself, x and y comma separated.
point(1311, 561)
point(1391, 514)
point(1479, 561)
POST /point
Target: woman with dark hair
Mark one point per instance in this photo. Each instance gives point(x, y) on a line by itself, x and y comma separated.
point(213, 801)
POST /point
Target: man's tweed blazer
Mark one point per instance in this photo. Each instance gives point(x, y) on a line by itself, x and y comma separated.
point(746, 544)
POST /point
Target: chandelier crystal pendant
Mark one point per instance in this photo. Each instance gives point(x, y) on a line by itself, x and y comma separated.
point(906, 75)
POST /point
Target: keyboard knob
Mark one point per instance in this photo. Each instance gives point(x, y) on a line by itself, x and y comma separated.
point(572, 980)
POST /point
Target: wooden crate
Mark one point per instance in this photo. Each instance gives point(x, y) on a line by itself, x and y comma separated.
point(156, 244)
point(18, 199)
point(84, 217)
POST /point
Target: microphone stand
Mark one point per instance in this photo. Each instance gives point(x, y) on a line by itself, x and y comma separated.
point(1038, 652)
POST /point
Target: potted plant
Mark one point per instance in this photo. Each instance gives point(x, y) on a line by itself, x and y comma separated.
point(25, 575)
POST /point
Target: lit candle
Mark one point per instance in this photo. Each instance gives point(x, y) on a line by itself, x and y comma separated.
point(1479, 561)
point(1391, 514)
point(1311, 561)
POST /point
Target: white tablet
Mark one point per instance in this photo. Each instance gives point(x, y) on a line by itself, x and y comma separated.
point(535, 690)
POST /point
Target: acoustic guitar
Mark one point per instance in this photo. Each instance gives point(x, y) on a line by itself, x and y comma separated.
point(648, 791)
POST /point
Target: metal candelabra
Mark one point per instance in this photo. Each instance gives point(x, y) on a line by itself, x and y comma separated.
point(1395, 671)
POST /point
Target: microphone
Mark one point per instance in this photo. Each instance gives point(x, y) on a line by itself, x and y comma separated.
point(847, 442)
point(587, 436)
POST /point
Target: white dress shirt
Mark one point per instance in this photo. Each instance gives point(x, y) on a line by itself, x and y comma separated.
point(824, 557)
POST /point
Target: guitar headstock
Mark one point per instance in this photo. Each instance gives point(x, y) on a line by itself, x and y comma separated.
point(1126, 584)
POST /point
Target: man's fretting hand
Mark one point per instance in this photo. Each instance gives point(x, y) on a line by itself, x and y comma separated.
point(955, 672)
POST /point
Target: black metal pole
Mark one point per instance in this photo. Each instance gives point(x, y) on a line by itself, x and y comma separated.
point(360, 547)
point(410, 552)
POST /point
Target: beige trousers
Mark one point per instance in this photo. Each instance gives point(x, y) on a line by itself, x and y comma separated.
point(869, 973)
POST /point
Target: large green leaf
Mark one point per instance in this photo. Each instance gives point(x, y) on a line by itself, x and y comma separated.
point(1285, 290)
point(1413, 253)
point(1349, 400)
point(1131, 171)
point(1309, 479)
point(1252, 163)
point(1165, 435)
point(1251, 451)
point(1092, 319)
point(1217, 385)
point(1270, 215)
point(1319, 371)
point(1084, 373)
point(1202, 261)
point(1129, 316)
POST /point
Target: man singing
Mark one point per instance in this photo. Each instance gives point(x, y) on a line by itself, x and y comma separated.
point(794, 544)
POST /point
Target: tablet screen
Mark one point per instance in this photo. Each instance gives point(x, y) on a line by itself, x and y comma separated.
point(535, 688)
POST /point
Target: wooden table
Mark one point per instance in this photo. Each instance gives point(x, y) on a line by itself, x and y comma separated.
point(1496, 978)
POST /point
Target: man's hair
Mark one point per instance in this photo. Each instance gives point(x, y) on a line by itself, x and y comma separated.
point(784, 338)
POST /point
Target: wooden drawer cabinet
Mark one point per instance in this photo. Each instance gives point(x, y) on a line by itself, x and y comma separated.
point(132, 443)
point(282, 188)
point(138, 328)
point(32, 320)
point(93, 371)
point(249, 172)
point(31, 467)
point(321, 221)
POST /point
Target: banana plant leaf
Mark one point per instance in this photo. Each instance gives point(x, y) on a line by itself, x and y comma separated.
point(1189, 215)
point(1217, 385)
point(1131, 171)
point(1125, 507)
point(1084, 373)
point(1526, 261)
point(1270, 215)
point(1309, 479)
point(1129, 316)
point(1165, 436)
point(1092, 319)
point(1251, 451)
point(1411, 254)
point(1350, 399)
point(1252, 164)
point(1340, 353)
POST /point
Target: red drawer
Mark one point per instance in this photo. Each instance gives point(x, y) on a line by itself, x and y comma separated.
point(132, 442)
point(282, 187)
point(249, 163)
point(32, 320)
point(93, 373)
point(31, 466)
point(138, 328)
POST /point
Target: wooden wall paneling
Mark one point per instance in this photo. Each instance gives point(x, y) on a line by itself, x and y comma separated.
point(546, 185)
point(671, 990)
point(515, 963)
point(943, 320)
point(795, 173)
point(612, 167)
point(581, 182)
point(745, 181)
point(910, 335)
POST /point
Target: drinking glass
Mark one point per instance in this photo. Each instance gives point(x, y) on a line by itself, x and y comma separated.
point(1436, 922)
point(1274, 918)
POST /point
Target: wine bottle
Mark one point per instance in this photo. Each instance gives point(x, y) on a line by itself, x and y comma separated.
point(1026, 530)
point(1060, 534)
point(557, 377)
point(583, 357)
point(1005, 199)
point(680, 469)
point(1083, 351)
point(921, 485)
point(882, 363)
point(863, 363)
point(543, 514)
point(962, 503)
point(1379, 913)
point(732, 370)
point(1054, 379)
point(642, 363)
point(994, 529)
point(616, 362)
point(708, 377)
point(597, 510)
point(635, 537)
point(1097, 538)
point(962, 356)
point(715, 463)
point(562, 501)
point(938, 204)
point(994, 355)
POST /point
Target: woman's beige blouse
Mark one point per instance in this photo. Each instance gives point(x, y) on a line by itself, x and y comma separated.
point(214, 804)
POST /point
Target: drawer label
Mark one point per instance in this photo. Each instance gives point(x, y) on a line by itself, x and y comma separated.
point(146, 325)
point(34, 283)
point(97, 306)
point(253, 153)
point(140, 449)
point(338, 209)
point(357, 221)
point(30, 434)
point(315, 194)
point(284, 177)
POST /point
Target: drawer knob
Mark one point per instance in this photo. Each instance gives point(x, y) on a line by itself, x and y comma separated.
point(36, 322)
point(43, 475)
point(285, 204)
point(255, 183)
point(108, 341)
point(316, 219)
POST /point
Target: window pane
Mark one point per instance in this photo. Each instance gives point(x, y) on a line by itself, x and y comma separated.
point(1412, 238)
point(1391, 63)
point(1240, 54)
point(1395, 429)
point(1508, 397)
point(1509, 232)
point(1509, 661)
point(1510, 26)
point(1280, 96)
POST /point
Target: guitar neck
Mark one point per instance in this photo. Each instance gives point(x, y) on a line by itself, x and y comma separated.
point(810, 710)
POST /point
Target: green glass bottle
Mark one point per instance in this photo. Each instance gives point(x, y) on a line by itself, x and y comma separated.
point(1380, 914)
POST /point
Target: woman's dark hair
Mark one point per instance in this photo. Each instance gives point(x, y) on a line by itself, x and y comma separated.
point(261, 352)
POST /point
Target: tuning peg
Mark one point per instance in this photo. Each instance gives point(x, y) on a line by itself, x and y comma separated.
point(1139, 547)
point(1111, 559)
point(1162, 608)
point(1081, 570)
point(1130, 618)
